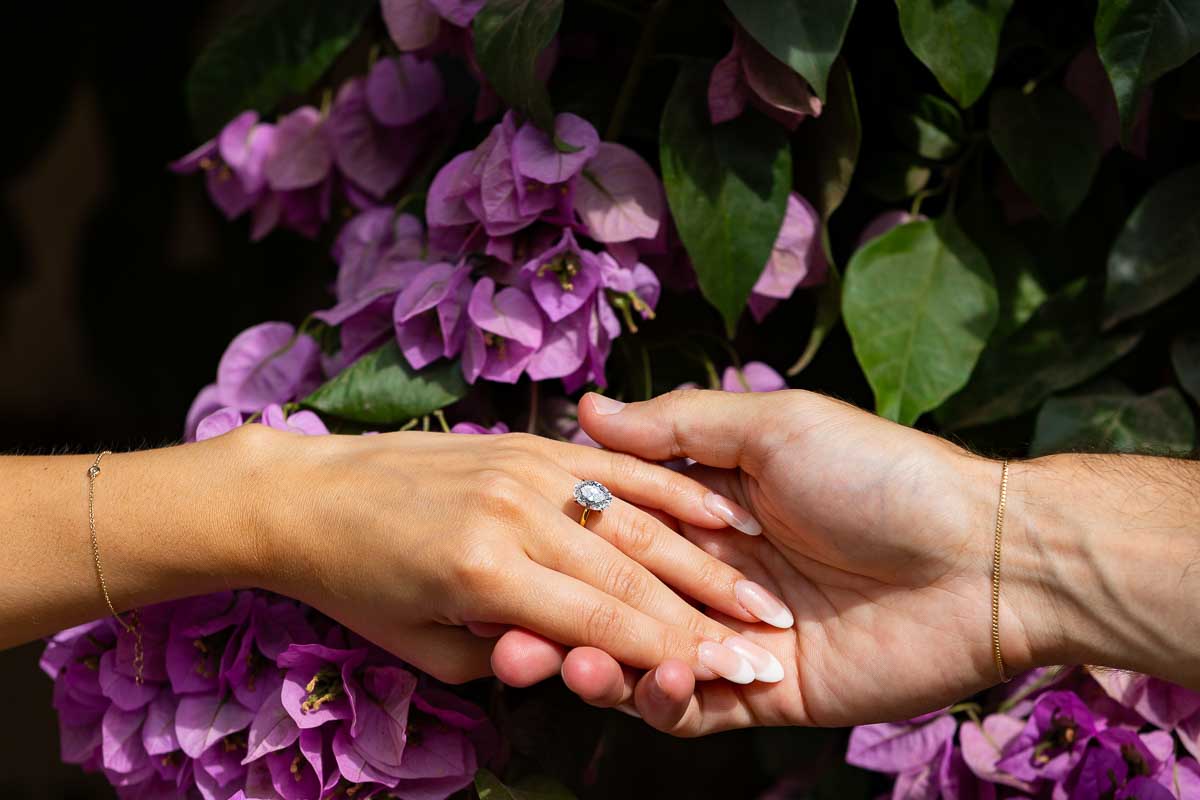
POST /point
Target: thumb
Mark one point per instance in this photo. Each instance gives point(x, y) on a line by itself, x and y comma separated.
point(718, 429)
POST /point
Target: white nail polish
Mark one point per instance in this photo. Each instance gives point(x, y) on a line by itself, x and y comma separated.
point(726, 663)
point(731, 514)
point(767, 668)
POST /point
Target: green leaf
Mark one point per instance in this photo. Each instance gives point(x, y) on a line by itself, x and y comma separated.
point(830, 144)
point(931, 127)
point(533, 787)
point(1018, 283)
point(382, 389)
point(1139, 42)
point(1049, 144)
point(727, 186)
point(957, 39)
point(1059, 347)
point(920, 303)
point(1159, 423)
point(267, 53)
point(1185, 357)
point(509, 37)
point(804, 34)
point(1157, 253)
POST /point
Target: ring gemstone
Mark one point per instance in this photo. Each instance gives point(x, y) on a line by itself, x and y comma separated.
point(593, 495)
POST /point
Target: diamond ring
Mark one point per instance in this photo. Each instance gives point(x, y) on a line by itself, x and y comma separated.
point(593, 496)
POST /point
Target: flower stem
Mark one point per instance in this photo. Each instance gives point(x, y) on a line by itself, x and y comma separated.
point(531, 427)
point(645, 48)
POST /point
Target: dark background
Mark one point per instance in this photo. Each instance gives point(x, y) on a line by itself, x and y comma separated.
point(120, 285)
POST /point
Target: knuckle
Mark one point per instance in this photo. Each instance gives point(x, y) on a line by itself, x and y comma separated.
point(635, 535)
point(627, 582)
point(500, 493)
point(480, 564)
point(716, 574)
point(603, 623)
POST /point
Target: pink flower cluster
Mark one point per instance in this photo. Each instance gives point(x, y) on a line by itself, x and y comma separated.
point(249, 695)
point(364, 145)
point(532, 253)
point(1061, 733)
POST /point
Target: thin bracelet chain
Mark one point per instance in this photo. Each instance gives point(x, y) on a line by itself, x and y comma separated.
point(134, 627)
point(999, 659)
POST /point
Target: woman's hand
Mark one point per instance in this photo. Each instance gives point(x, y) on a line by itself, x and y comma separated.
point(877, 537)
point(409, 538)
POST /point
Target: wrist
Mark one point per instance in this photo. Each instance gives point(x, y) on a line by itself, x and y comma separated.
point(1100, 562)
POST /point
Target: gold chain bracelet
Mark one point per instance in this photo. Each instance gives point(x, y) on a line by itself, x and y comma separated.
point(133, 627)
point(999, 659)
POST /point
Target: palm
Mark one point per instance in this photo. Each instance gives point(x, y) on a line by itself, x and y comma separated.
point(886, 579)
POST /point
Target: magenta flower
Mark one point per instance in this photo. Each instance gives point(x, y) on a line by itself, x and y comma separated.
point(618, 197)
point(314, 687)
point(564, 278)
point(754, 376)
point(428, 315)
point(416, 24)
point(377, 126)
point(797, 259)
point(901, 747)
point(1052, 741)
point(504, 331)
point(233, 163)
point(749, 74)
point(371, 241)
point(476, 429)
point(269, 363)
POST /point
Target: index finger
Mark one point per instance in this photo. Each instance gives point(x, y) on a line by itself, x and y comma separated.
point(654, 486)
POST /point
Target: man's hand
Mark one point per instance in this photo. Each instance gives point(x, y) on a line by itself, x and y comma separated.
point(877, 537)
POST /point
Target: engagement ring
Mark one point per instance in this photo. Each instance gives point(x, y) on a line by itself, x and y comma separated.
point(593, 496)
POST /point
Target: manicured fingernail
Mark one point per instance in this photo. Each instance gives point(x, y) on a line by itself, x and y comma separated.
point(766, 666)
point(726, 663)
point(762, 604)
point(731, 514)
point(606, 405)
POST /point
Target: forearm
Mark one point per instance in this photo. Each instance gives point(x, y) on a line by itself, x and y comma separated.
point(1103, 554)
point(170, 523)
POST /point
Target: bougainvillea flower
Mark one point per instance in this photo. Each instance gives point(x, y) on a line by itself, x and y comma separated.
point(448, 739)
point(268, 363)
point(505, 331)
point(618, 197)
point(369, 242)
point(380, 702)
point(749, 74)
point(1086, 79)
point(1158, 702)
point(199, 631)
point(368, 152)
point(564, 277)
point(899, 747)
point(1052, 741)
point(305, 422)
point(537, 156)
point(428, 315)
point(797, 258)
point(301, 155)
point(314, 687)
point(754, 376)
point(415, 24)
point(404, 89)
point(982, 748)
point(474, 428)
